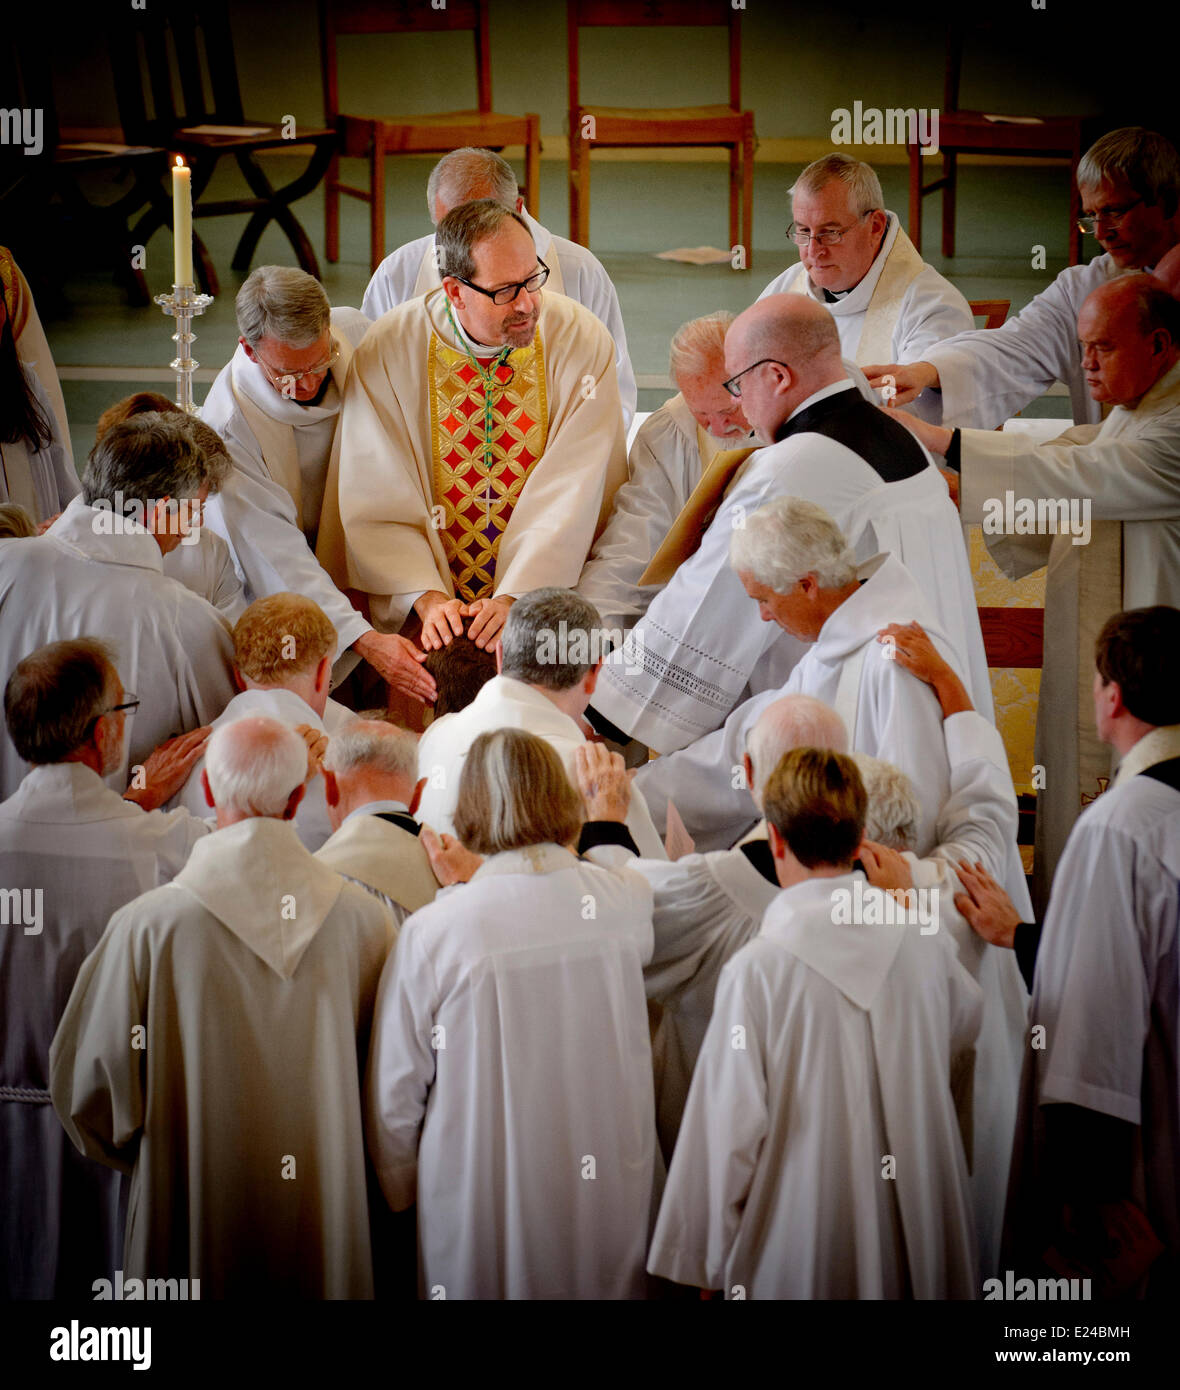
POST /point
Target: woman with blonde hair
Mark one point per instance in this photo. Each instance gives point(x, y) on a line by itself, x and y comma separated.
point(510, 1084)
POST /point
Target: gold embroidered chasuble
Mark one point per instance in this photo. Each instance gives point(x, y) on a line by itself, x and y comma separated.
point(407, 507)
point(476, 483)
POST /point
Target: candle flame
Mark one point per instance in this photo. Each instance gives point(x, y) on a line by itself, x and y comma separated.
point(179, 162)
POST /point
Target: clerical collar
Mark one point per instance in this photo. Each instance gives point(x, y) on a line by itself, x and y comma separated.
point(832, 296)
point(376, 808)
point(1160, 745)
point(821, 401)
point(467, 341)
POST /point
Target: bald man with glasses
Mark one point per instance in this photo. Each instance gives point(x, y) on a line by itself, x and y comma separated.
point(1130, 186)
point(855, 260)
point(482, 441)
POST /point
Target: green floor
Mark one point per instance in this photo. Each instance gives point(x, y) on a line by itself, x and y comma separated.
point(637, 210)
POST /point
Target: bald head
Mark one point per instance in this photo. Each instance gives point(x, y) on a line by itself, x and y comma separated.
point(795, 340)
point(254, 767)
point(795, 721)
point(1129, 331)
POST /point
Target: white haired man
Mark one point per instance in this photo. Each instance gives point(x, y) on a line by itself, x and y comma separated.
point(284, 646)
point(1106, 500)
point(277, 404)
point(72, 852)
point(695, 654)
point(247, 1170)
point(855, 259)
point(1130, 186)
point(821, 1153)
point(463, 176)
point(373, 789)
point(482, 442)
point(98, 572)
point(794, 562)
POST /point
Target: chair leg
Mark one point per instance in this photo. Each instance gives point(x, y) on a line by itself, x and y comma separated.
point(532, 167)
point(573, 177)
point(377, 197)
point(582, 234)
point(332, 211)
point(915, 223)
point(950, 194)
point(735, 196)
point(748, 191)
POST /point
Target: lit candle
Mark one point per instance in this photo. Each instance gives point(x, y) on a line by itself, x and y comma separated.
point(182, 223)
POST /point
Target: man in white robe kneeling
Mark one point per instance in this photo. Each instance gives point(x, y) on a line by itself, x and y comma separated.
point(821, 1153)
point(855, 259)
point(247, 1170)
point(696, 654)
point(464, 176)
point(277, 404)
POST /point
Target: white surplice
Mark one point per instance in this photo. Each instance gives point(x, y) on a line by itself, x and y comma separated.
point(832, 1048)
point(65, 836)
point(573, 271)
point(171, 647)
point(893, 314)
point(988, 375)
point(207, 568)
point(253, 977)
point(311, 816)
point(1105, 992)
point(506, 703)
point(509, 1090)
point(889, 713)
point(385, 857)
point(268, 509)
point(701, 647)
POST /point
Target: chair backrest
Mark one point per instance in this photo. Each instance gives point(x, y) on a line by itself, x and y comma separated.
point(195, 40)
point(689, 14)
point(401, 17)
point(992, 311)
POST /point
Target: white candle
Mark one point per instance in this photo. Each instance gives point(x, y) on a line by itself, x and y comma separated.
point(182, 224)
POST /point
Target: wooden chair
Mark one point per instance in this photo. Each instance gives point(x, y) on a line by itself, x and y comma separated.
point(613, 127)
point(375, 137)
point(194, 39)
point(969, 132)
point(45, 200)
point(993, 311)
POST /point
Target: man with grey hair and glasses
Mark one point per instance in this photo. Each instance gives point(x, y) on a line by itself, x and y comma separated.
point(214, 1043)
point(462, 176)
point(482, 442)
point(277, 404)
point(855, 259)
point(98, 571)
point(1130, 186)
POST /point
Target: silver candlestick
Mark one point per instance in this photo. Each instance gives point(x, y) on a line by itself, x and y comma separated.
point(184, 304)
